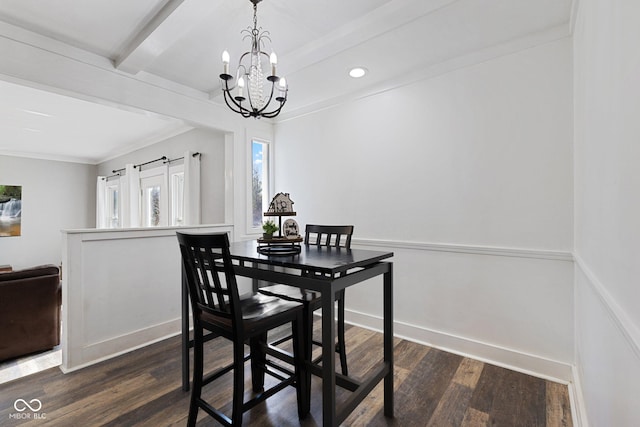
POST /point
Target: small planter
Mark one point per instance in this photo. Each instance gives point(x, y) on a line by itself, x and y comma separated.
point(268, 228)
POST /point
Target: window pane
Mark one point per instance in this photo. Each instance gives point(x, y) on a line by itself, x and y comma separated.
point(113, 207)
point(259, 181)
point(152, 205)
point(154, 202)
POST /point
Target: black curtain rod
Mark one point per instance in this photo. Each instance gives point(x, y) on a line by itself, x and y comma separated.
point(163, 158)
point(180, 158)
point(116, 173)
point(152, 161)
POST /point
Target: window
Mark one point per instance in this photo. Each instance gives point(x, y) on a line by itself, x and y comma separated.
point(259, 181)
point(154, 201)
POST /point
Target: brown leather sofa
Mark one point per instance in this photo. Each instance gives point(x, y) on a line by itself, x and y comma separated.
point(29, 311)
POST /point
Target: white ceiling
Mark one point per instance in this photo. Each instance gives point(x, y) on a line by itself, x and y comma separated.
point(317, 42)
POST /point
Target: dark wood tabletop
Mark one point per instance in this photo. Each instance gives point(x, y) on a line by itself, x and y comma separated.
point(321, 259)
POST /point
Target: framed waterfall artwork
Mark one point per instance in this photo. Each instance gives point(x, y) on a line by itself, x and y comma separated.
point(10, 210)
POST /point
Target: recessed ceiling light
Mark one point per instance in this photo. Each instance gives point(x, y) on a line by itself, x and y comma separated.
point(357, 72)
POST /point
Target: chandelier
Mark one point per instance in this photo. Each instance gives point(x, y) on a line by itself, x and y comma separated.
point(251, 98)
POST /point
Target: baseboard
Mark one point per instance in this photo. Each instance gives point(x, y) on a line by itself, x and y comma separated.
point(97, 352)
point(504, 357)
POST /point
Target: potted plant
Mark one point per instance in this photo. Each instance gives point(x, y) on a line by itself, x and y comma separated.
point(269, 227)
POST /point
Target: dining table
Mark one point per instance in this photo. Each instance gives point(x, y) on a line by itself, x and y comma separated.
point(327, 270)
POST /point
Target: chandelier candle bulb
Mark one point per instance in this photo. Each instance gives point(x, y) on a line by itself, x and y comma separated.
point(274, 60)
point(225, 62)
point(240, 85)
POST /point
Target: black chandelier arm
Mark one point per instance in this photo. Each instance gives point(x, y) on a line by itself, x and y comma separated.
point(274, 113)
point(239, 108)
point(241, 112)
point(252, 112)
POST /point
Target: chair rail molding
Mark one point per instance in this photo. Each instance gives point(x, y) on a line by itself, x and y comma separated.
point(469, 249)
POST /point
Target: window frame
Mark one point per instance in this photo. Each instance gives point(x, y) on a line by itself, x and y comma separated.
point(250, 227)
point(112, 186)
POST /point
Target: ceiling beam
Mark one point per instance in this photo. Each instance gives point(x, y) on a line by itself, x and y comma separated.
point(175, 19)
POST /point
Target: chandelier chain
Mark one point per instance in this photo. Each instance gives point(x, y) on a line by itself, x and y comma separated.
point(255, 16)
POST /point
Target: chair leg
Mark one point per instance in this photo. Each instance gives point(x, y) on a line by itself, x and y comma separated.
point(302, 373)
point(307, 345)
point(198, 368)
point(258, 361)
point(342, 349)
point(238, 382)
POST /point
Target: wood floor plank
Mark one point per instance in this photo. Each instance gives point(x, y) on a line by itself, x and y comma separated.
point(373, 404)
point(558, 406)
point(421, 392)
point(510, 398)
point(474, 418)
point(159, 412)
point(468, 373)
point(408, 354)
point(452, 407)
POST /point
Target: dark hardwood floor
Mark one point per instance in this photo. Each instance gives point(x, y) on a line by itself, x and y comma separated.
point(432, 388)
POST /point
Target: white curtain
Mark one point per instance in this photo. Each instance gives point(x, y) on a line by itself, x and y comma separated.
point(191, 189)
point(101, 202)
point(130, 190)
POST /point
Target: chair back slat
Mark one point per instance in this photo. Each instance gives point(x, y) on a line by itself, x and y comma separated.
point(209, 280)
point(338, 236)
point(210, 276)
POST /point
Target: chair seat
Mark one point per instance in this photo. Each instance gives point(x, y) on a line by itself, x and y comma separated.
point(257, 310)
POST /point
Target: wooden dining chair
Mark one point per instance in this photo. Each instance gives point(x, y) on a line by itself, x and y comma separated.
point(338, 236)
point(217, 308)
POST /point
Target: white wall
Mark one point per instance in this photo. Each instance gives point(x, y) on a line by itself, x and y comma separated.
point(55, 196)
point(211, 145)
point(607, 230)
point(472, 160)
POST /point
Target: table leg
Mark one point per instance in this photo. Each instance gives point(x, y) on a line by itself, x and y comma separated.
point(388, 340)
point(328, 359)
